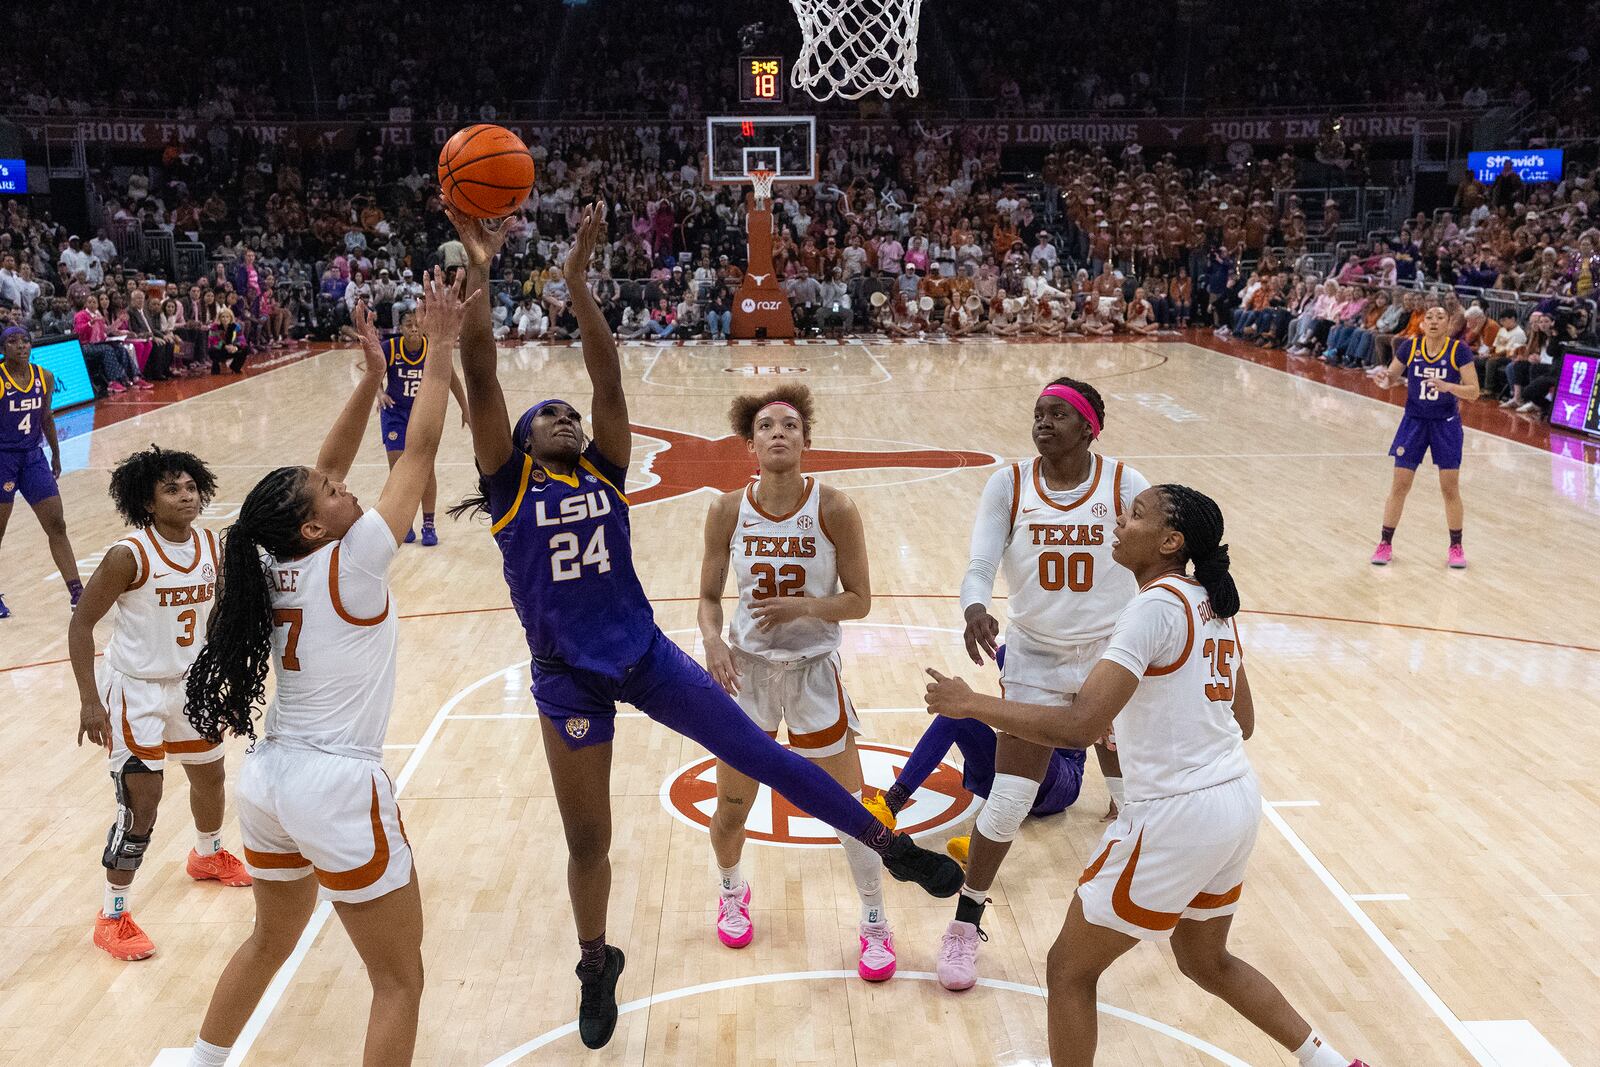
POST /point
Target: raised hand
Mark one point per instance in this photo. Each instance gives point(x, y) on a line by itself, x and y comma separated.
point(482, 243)
point(575, 268)
point(366, 327)
point(443, 307)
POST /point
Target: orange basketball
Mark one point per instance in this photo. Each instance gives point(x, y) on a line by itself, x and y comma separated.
point(485, 171)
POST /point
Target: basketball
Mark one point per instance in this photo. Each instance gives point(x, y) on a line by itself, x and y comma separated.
point(485, 171)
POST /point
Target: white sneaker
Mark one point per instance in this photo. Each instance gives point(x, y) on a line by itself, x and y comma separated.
point(1528, 408)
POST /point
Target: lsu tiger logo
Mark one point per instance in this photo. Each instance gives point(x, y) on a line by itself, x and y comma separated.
point(577, 728)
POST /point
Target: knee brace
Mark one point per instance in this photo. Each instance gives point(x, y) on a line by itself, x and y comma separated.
point(124, 848)
point(1010, 798)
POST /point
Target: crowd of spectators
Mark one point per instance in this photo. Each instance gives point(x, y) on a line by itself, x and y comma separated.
point(649, 57)
point(906, 234)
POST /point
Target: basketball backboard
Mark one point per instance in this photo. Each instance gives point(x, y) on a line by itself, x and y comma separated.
point(783, 144)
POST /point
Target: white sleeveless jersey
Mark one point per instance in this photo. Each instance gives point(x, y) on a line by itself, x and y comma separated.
point(788, 555)
point(161, 619)
point(1177, 733)
point(335, 669)
point(1064, 587)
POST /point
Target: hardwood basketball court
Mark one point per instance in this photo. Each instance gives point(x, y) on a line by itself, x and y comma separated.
point(1422, 889)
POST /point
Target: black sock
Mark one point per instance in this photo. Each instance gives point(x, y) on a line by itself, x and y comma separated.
point(969, 910)
point(592, 954)
point(427, 518)
point(1455, 538)
point(896, 797)
point(1388, 534)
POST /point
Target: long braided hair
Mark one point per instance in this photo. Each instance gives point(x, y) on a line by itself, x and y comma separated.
point(228, 678)
point(1197, 517)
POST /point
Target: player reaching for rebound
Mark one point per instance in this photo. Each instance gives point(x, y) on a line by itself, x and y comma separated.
point(1048, 521)
point(1439, 373)
point(26, 421)
point(162, 579)
point(306, 592)
point(799, 559)
point(405, 356)
point(1172, 866)
point(1058, 790)
point(561, 521)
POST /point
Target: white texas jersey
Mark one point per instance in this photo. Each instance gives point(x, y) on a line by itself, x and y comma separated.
point(788, 555)
point(1064, 587)
point(1177, 733)
point(334, 643)
point(161, 619)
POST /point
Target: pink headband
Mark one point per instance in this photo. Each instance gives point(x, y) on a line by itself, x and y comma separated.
point(1079, 404)
point(784, 403)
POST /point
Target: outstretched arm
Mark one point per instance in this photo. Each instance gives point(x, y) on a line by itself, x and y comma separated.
point(491, 424)
point(612, 434)
point(1105, 692)
point(344, 438)
point(440, 317)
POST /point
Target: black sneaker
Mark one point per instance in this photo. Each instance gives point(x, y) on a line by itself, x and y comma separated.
point(939, 875)
point(597, 1003)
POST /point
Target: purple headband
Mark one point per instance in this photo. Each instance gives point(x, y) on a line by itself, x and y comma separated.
point(519, 436)
point(12, 331)
point(1079, 404)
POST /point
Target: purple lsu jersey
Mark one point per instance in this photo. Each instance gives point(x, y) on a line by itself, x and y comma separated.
point(22, 410)
point(1424, 370)
point(403, 371)
point(567, 550)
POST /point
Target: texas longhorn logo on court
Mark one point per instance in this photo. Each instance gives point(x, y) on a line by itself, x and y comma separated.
point(690, 795)
point(688, 463)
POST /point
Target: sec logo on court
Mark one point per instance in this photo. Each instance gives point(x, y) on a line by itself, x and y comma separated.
point(690, 795)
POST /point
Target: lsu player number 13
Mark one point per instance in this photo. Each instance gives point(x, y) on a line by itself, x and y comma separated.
point(1171, 867)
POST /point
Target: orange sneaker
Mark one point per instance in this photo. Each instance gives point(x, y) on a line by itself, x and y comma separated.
point(122, 938)
point(224, 866)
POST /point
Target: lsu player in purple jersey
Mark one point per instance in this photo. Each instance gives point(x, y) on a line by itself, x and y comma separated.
point(26, 420)
point(1438, 373)
point(978, 743)
point(560, 517)
point(404, 355)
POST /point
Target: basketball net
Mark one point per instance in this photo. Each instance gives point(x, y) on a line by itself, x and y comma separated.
point(761, 179)
point(854, 47)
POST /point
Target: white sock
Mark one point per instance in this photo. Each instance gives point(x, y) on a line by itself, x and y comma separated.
point(731, 878)
point(977, 896)
point(116, 901)
point(208, 843)
point(866, 867)
point(1114, 786)
point(206, 1054)
point(1318, 1053)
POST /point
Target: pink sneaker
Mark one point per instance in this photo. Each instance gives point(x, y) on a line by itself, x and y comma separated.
point(958, 956)
point(1458, 558)
point(140, 383)
point(1383, 554)
point(734, 928)
point(116, 387)
point(877, 953)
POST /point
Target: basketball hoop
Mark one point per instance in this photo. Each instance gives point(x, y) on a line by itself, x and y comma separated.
point(855, 47)
point(761, 179)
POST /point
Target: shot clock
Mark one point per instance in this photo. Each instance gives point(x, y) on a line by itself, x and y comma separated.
point(761, 79)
